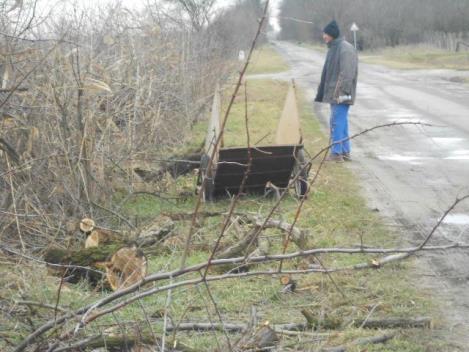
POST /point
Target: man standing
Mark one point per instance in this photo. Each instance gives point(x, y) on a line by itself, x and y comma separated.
point(338, 88)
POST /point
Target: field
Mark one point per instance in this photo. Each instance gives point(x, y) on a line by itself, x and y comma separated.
point(418, 57)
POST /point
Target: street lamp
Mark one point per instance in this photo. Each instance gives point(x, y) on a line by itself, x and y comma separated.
point(354, 29)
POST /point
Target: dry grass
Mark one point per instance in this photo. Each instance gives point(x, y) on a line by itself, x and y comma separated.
point(418, 57)
point(266, 60)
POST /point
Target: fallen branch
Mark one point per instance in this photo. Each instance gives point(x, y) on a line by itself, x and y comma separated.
point(361, 342)
point(40, 305)
point(237, 248)
point(315, 321)
point(298, 236)
point(86, 310)
point(219, 138)
point(395, 323)
point(120, 343)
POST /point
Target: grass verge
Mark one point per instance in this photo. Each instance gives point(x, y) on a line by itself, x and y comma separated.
point(418, 57)
point(266, 60)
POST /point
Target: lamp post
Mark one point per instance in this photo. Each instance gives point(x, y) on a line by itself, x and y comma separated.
point(354, 29)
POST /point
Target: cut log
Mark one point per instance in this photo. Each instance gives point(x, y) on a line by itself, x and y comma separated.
point(99, 237)
point(112, 252)
point(86, 263)
point(114, 265)
point(87, 225)
point(127, 266)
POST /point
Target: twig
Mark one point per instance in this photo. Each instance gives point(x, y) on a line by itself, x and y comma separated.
point(236, 198)
point(165, 319)
point(437, 225)
point(41, 305)
point(209, 316)
point(220, 136)
point(12, 190)
point(369, 315)
point(217, 310)
point(20, 82)
point(114, 213)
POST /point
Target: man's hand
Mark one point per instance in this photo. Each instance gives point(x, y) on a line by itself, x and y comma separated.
point(344, 98)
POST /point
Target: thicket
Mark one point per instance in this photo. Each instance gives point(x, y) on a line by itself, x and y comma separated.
point(90, 95)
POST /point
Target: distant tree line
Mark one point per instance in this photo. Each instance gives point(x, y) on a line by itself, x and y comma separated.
point(381, 22)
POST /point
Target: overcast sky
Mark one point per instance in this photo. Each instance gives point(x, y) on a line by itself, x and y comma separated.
point(135, 4)
point(274, 4)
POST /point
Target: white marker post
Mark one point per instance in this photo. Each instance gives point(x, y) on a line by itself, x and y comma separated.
point(354, 29)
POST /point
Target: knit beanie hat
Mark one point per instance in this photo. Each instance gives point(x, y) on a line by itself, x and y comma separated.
point(332, 29)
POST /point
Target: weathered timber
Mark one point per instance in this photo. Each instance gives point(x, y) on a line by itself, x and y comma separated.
point(126, 267)
point(99, 237)
point(87, 263)
point(90, 263)
point(100, 253)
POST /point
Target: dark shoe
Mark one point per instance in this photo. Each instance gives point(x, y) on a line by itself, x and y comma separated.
point(347, 157)
point(335, 157)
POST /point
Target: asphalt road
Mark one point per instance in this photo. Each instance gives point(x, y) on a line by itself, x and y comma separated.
point(411, 174)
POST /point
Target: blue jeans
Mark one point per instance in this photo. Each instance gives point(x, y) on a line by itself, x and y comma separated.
point(339, 128)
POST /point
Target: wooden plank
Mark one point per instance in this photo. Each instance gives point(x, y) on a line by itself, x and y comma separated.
point(289, 130)
point(214, 123)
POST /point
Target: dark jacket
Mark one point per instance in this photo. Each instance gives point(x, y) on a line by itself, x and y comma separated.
point(340, 72)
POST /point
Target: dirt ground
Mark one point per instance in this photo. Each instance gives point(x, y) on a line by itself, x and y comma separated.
point(410, 174)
